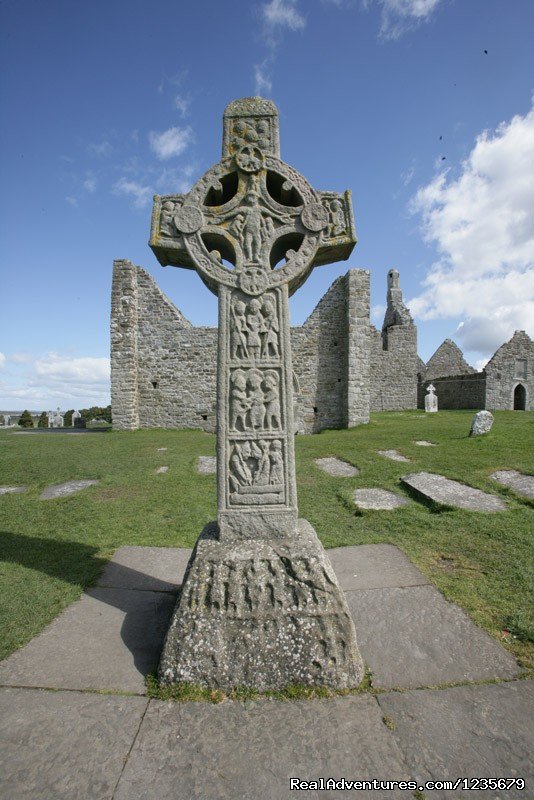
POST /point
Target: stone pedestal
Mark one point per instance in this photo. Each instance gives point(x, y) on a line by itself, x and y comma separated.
point(261, 613)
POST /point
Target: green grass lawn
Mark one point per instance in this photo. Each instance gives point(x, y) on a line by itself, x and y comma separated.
point(51, 550)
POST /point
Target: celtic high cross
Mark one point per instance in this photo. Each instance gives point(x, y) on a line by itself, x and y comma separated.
point(253, 228)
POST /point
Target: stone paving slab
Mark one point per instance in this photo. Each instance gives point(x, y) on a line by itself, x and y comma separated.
point(198, 751)
point(393, 455)
point(161, 470)
point(109, 639)
point(378, 499)
point(413, 637)
point(466, 731)
point(12, 489)
point(64, 489)
point(520, 483)
point(424, 443)
point(64, 745)
point(452, 493)
point(373, 566)
point(156, 569)
point(207, 465)
point(337, 467)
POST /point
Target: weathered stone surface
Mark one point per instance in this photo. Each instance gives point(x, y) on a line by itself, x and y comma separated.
point(110, 639)
point(154, 569)
point(520, 483)
point(394, 455)
point(466, 732)
point(431, 401)
point(378, 499)
point(424, 443)
point(482, 423)
point(161, 470)
point(64, 489)
point(12, 489)
point(412, 637)
point(452, 493)
point(261, 613)
point(207, 465)
point(260, 605)
point(252, 750)
point(373, 566)
point(162, 449)
point(337, 467)
point(64, 745)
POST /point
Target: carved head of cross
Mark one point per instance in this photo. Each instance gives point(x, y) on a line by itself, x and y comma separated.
point(252, 222)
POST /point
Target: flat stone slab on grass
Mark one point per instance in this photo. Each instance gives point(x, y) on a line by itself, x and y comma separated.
point(394, 455)
point(334, 466)
point(466, 731)
point(413, 637)
point(424, 443)
point(452, 493)
point(109, 639)
point(162, 449)
point(161, 470)
point(64, 745)
point(155, 569)
point(521, 484)
point(378, 499)
point(207, 465)
point(252, 750)
point(373, 566)
point(64, 489)
point(12, 489)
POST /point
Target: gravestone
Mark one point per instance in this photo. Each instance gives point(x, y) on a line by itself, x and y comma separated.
point(75, 417)
point(55, 419)
point(260, 604)
point(481, 423)
point(431, 401)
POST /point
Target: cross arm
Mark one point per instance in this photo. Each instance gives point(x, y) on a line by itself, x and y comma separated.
point(339, 237)
point(166, 242)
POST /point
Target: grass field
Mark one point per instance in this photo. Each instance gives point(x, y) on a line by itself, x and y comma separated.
point(51, 550)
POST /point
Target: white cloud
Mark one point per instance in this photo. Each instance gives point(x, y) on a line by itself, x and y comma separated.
point(182, 104)
point(141, 195)
point(90, 184)
point(283, 14)
point(377, 313)
point(172, 181)
point(482, 225)
point(20, 358)
point(101, 149)
point(2, 360)
point(400, 16)
point(171, 142)
point(73, 201)
point(262, 79)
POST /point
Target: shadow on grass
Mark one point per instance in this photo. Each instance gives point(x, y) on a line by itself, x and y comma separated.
point(146, 602)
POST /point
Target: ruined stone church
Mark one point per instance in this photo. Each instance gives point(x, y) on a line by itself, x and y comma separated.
point(163, 369)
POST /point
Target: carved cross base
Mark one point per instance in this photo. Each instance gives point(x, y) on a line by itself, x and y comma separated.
point(262, 614)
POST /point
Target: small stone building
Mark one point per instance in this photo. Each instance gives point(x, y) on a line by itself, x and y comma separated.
point(506, 383)
point(163, 370)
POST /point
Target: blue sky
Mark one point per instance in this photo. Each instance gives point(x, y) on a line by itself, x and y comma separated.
point(107, 102)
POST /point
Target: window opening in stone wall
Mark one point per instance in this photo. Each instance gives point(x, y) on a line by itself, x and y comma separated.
point(520, 398)
point(204, 417)
point(154, 384)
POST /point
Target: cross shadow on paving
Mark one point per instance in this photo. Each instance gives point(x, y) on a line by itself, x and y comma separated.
point(85, 646)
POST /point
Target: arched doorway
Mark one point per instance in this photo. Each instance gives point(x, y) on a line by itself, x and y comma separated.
point(520, 398)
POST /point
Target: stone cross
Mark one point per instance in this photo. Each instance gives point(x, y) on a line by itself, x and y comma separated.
point(431, 400)
point(253, 228)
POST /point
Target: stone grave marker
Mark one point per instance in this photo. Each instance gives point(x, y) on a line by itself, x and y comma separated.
point(260, 604)
point(481, 423)
point(431, 400)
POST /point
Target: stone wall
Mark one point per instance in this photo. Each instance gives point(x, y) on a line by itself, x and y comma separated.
point(164, 370)
point(511, 367)
point(447, 360)
point(456, 391)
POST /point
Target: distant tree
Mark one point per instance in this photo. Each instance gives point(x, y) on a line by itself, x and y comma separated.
point(67, 418)
point(26, 420)
point(96, 412)
point(43, 420)
point(2, 420)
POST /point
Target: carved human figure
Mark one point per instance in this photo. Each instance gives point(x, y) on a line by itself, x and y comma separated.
point(255, 396)
point(263, 471)
point(238, 328)
point(270, 330)
point(337, 218)
point(255, 324)
point(167, 225)
point(239, 403)
point(271, 399)
point(240, 474)
point(277, 464)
